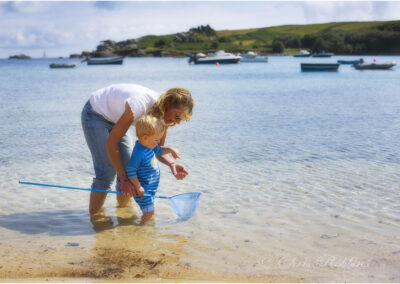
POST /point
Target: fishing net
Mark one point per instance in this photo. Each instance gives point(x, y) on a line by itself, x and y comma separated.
point(185, 204)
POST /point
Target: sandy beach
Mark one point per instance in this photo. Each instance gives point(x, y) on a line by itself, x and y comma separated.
point(124, 253)
point(127, 252)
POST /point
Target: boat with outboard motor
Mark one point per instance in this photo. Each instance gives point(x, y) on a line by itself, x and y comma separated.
point(375, 66)
point(322, 54)
point(251, 56)
point(220, 57)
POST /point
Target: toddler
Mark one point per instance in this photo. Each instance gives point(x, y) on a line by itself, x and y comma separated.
point(142, 169)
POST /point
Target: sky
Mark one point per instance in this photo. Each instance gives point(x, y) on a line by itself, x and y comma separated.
point(63, 28)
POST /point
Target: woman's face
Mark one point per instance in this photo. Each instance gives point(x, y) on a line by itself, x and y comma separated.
point(172, 115)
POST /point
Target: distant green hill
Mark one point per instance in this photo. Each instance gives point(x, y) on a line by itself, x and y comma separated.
point(341, 38)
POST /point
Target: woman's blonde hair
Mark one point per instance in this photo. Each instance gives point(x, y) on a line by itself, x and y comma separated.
point(149, 125)
point(175, 97)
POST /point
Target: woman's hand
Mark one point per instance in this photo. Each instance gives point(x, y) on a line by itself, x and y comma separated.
point(178, 171)
point(129, 190)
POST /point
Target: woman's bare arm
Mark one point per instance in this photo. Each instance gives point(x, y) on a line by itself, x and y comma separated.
point(164, 158)
point(177, 170)
point(118, 131)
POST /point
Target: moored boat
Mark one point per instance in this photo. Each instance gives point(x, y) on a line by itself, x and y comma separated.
point(303, 53)
point(375, 66)
point(62, 65)
point(322, 54)
point(251, 56)
point(220, 57)
point(104, 60)
point(319, 66)
point(358, 61)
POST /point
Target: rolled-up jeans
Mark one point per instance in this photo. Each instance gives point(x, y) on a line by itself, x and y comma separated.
point(97, 129)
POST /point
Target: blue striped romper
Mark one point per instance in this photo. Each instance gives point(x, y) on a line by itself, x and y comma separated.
point(143, 165)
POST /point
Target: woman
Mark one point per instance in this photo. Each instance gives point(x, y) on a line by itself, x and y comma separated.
point(106, 118)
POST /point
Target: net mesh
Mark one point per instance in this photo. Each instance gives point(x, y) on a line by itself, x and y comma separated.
point(185, 204)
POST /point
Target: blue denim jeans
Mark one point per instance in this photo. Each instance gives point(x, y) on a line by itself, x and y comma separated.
point(97, 129)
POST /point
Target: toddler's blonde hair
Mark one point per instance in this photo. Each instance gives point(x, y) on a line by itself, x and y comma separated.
point(149, 125)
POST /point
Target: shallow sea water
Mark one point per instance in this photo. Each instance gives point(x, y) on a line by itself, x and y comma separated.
point(299, 171)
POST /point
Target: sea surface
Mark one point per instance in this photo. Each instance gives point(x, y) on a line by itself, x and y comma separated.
point(299, 172)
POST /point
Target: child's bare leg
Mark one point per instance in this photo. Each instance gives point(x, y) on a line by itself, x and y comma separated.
point(147, 217)
point(126, 215)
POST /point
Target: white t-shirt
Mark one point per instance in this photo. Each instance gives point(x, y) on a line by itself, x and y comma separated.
point(110, 101)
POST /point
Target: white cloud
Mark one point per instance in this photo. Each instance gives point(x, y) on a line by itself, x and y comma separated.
point(77, 26)
point(23, 7)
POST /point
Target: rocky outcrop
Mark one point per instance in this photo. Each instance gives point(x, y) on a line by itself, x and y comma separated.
point(19, 56)
point(149, 45)
point(130, 43)
point(185, 37)
point(84, 54)
point(106, 49)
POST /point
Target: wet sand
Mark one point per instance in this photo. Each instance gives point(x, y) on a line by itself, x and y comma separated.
point(40, 263)
point(127, 253)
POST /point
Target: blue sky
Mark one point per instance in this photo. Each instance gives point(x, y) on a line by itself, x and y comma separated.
point(62, 28)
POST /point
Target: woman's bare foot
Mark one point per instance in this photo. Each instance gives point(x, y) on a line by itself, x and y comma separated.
point(101, 221)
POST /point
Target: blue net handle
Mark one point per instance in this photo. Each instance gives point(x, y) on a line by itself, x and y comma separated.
point(184, 204)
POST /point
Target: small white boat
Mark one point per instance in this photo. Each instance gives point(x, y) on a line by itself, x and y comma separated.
point(253, 57)
point(322, 54)
point(104, 60)
point(303, 53)
point(220, 57)
point(352, 62)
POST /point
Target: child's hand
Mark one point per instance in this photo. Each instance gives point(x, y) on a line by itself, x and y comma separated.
point(178, 171)
point(140, 191)
point(175, 153)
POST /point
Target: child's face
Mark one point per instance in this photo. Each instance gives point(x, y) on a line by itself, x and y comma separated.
point(151, 141)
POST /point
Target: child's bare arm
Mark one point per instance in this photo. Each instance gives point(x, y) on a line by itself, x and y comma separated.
point(139, 189)
point(170, 150)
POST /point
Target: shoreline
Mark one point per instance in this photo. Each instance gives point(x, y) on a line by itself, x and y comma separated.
point(183, 56)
